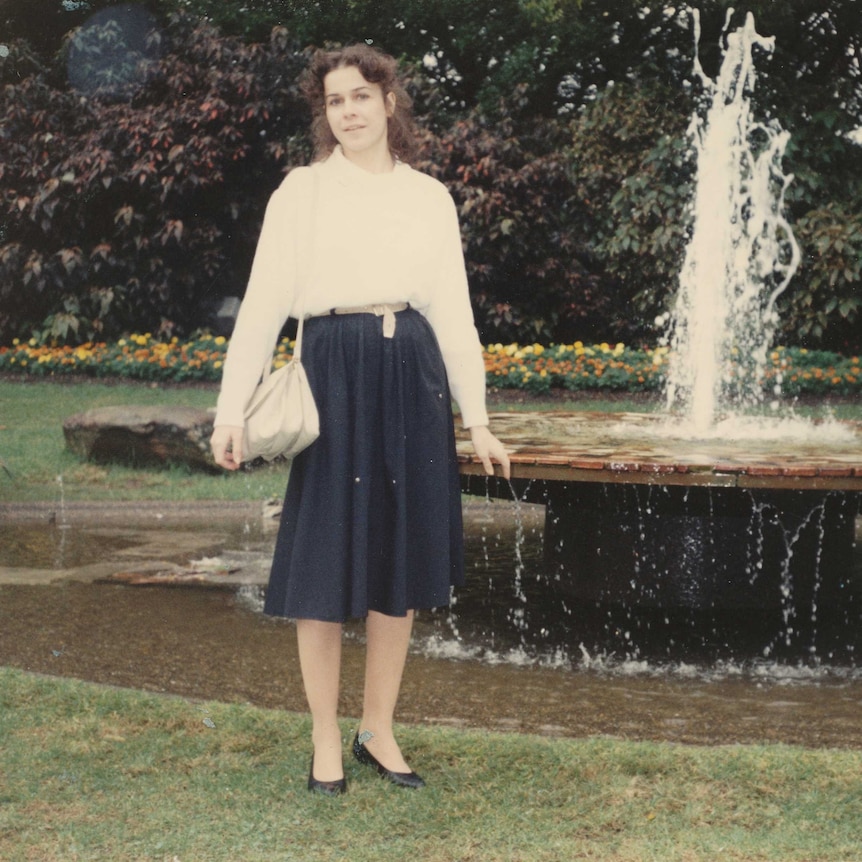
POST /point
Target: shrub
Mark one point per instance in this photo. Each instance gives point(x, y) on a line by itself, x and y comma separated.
point(132, 203)
point(126, 209)
point(825, 306)
point(527, 246)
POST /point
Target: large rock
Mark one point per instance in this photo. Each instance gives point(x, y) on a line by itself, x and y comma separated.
point(142, 436)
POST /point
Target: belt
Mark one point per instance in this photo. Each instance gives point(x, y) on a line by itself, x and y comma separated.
point(386, 310)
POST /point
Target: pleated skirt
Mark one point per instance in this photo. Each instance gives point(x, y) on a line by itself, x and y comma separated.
point(372, 512)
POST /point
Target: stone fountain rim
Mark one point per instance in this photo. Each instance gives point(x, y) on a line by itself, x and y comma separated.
point(570, 460)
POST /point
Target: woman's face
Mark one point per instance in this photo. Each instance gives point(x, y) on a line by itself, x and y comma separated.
point(357, 111)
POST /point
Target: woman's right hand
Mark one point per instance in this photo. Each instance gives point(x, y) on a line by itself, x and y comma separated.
point(226, 445)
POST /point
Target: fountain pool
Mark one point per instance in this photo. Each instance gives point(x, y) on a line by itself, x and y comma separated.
point(689, 549)
point(197, 631)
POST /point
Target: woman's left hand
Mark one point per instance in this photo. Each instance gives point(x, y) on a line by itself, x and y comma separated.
point(490, 449)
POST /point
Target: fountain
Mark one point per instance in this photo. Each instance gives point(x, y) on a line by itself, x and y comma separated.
point(742, 253)
point(704, 526)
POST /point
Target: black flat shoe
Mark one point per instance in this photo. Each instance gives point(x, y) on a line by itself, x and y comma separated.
point(326, 788)
point(409, 780)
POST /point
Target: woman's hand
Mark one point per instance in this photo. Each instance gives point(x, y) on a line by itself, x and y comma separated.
point(490, 449)
point(226, 445)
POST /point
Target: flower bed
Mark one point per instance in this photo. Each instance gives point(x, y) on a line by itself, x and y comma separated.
point(533, 368)
point(139, 357)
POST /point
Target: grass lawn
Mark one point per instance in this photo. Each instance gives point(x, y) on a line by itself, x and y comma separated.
point(34, 451)
point(96, 773)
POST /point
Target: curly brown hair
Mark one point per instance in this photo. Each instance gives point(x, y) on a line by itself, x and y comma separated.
point(377, 68)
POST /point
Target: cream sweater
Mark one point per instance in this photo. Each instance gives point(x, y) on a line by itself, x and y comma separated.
point(376, 238)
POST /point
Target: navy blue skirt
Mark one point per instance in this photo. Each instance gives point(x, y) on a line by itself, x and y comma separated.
point(372, 512)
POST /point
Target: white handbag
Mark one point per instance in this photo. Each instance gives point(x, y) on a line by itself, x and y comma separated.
point(281, 418)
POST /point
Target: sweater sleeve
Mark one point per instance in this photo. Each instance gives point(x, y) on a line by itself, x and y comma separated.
point(267, 302)
point(451, 316)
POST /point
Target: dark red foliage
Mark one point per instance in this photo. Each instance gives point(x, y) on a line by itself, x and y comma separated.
point(525, 234)
point(129, 213)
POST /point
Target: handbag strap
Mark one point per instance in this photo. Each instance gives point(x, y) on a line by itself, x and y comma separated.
point(297, 347)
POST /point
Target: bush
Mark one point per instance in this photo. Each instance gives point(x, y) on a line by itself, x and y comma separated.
point(526, 240)
point(134, 202)
point(131, 208)
point(825, 306)
point(634, 165)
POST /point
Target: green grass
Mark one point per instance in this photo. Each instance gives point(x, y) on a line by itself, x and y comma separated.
point(95, 773)
point(33, 449)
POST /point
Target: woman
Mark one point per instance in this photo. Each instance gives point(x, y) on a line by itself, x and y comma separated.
point(370, 250)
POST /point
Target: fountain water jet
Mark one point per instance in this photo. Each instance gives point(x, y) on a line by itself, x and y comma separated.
point(742, 253)
point(699, 530)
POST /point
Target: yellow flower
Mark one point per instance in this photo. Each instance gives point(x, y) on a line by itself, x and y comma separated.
point(220, 340)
